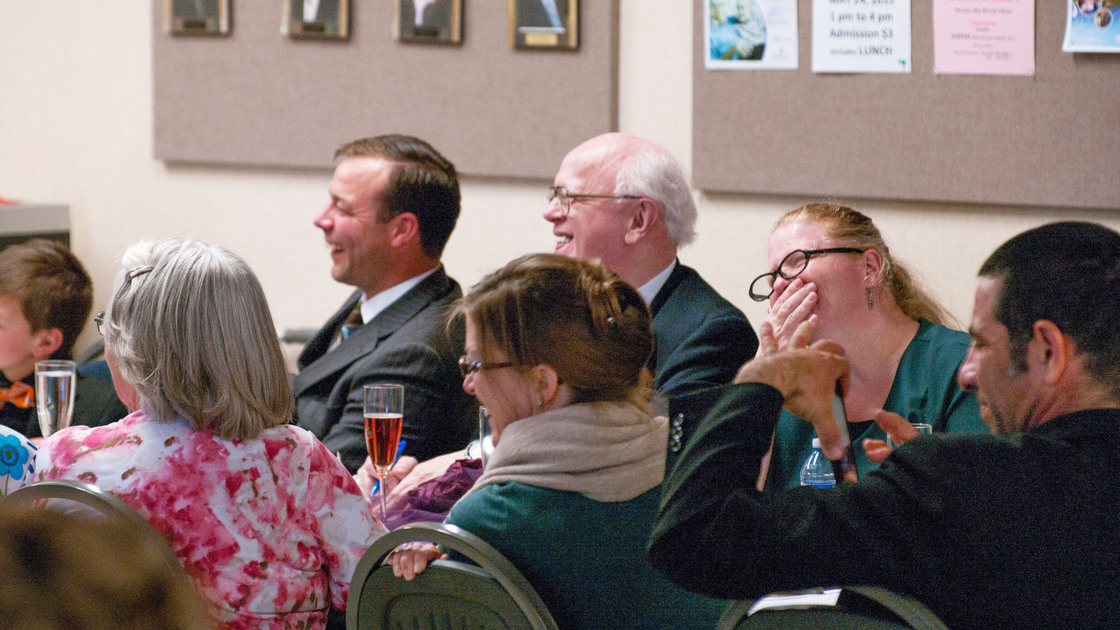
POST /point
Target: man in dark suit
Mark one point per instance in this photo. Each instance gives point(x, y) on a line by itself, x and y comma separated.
point(394, 202)
point(625, 201)
point(1012, 530)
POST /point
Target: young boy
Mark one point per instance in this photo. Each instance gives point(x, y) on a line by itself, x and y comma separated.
point(45, 299)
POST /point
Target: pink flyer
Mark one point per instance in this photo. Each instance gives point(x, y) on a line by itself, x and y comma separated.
point(983, 37)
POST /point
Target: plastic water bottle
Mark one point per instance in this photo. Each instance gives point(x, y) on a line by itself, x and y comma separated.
point(817, 470)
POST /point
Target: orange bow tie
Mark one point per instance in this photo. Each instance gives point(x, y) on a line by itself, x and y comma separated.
point(19, 394)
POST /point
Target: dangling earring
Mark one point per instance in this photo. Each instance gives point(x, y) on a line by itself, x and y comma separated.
point(870, 299)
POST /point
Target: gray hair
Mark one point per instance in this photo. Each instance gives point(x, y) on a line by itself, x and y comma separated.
point(191, 330)
point(658, 175)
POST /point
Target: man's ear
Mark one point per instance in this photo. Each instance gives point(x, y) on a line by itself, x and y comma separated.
point(47, 342)
point(645, 215)
point(1050, 350)
point(404, 227)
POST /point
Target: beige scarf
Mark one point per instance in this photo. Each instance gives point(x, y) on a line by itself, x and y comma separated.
point(605, 451)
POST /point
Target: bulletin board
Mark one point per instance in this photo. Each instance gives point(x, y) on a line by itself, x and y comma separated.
point(257, 97)
point(1048, 140)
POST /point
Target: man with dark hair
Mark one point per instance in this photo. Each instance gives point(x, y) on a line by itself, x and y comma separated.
point(1064, 274)
point(45, 299)
point(394, 201)
point(1012, 530)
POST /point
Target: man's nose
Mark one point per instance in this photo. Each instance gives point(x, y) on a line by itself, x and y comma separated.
point(966, 375)
point(323, 219)
point(554, 211)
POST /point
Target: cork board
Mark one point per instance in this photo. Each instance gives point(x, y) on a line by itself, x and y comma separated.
point(256, 97)
point(1046, 140)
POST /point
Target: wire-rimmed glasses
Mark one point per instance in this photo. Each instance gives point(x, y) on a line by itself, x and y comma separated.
point(565, 197)
point(792, 266)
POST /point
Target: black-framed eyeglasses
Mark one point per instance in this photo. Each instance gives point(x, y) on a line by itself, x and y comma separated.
point(467, 367)
point(791, 266)
point(99, 319)
point(565, 197)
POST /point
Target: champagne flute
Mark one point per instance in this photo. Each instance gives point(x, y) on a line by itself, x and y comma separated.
point(54, 394)
point(384, 414)
point(485, 439)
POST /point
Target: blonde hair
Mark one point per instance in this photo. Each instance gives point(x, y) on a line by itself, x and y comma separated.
point(573, 315)
point(850, 228)
point(191, 331)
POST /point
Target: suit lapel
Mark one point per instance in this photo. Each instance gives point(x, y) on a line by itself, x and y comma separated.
point(398, 313)
point(364, 340)
point(671, 284)
point(321, 342)
point(675, 279)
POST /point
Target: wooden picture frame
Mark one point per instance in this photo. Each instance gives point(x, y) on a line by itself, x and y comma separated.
point(196, 17)
point(331, 19)
point(428, 21)
point(544, 24)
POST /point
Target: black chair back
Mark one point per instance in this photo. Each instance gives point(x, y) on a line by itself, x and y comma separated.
point(489, 594)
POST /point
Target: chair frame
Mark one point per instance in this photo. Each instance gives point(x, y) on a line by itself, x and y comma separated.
point(912, 612)
point(457, 540)
point(103, 501)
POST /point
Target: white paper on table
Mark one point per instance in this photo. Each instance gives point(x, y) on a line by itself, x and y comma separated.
point(1092, 26)
point(750, 34)
point(799, 599)
point(861, 36)
point(993, 37)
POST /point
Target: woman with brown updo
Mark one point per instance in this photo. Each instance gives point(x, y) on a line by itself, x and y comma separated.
point(556, 349)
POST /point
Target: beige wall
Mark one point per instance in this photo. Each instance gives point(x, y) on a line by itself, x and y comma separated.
point(75, 127)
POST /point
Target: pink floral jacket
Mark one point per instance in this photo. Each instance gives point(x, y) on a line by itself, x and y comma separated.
point(270, 530)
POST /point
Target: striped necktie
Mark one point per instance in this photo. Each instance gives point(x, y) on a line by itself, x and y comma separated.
point(352, 323)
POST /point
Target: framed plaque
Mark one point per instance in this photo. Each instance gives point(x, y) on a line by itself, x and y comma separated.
point(196, 17)
point(428, 21)
point(317, 19)
point(548, 24)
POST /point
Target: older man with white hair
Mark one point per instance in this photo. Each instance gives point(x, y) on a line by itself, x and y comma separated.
point(625, 201)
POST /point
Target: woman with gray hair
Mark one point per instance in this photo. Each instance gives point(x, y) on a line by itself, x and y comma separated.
point(266, 521)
